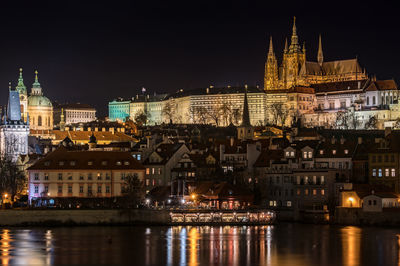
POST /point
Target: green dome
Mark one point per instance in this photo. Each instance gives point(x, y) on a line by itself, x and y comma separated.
point(39, 100)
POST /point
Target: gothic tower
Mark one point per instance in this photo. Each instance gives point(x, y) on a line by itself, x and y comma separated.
point(23, 96)
point(13, 130)
point(293, 58)
point(271, 69)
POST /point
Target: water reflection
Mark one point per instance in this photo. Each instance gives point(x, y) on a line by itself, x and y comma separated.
point(351, 241)
point(284, 244)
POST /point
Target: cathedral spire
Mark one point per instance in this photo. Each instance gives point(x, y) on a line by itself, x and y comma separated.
point(246, 115)
point(271, 47)
point(320, 53)
point(286, 46)
point(21, 88)
point(294, 45)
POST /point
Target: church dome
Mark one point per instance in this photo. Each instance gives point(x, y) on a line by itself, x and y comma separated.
point(39, 100)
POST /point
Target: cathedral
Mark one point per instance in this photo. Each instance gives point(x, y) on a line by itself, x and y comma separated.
point(295, 70)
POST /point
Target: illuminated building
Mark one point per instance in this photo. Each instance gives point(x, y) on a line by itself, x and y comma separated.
point(13, 130)
point(74, 113)
point(70, 172)
point(40, 108)
point(296, 70)
point(118, 110)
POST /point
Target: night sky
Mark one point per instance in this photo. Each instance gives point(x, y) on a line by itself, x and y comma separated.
point(95, 51)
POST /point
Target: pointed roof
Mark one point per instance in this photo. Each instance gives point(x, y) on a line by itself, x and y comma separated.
point(13, 106)
point(271, 47)
point(36, 84)
point(320, 56)
point(294, 44)
point(21, 88)
point(246, 115)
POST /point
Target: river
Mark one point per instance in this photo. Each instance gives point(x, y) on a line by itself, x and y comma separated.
point(283, 244)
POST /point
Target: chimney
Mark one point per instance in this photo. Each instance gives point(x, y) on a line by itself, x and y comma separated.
point(359, 140)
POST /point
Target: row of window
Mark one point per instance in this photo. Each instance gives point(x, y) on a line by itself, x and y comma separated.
point(153, 171)
point(313, 192)
point(388, 172)
point(81, 190)
point(99, 176)
point(385, 157)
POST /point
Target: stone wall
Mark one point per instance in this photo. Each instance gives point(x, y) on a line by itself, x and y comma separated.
point(82, 217)
point(356, 216)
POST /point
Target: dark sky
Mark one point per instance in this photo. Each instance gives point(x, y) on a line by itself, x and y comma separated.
point(93, 51)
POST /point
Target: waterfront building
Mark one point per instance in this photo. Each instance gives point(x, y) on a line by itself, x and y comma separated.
point(160, 162)
point(74, 113)
point(70, 172)
point(14, 130)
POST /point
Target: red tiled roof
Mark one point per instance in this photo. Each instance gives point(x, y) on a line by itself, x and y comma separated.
point(63, 158)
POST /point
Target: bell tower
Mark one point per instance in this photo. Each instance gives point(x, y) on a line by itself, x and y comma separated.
point(271, 69)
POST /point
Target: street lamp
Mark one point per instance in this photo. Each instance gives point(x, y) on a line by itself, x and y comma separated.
point(193, 196)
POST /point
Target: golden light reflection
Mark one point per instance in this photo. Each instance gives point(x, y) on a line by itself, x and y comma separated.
point(193, 238)
point(351, 237)
point(5, 246)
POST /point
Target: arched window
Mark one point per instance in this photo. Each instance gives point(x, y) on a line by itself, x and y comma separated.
point(39, 121)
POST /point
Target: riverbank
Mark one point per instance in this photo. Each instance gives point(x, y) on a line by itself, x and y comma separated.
point(83, 217)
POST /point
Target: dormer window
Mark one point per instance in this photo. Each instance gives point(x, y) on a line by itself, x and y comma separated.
point(292, 153)
point(126, 162)
point(287, 154)
point(321, 152)
point(118, 163)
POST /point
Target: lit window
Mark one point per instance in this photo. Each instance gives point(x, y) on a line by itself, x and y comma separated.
point(306, 191)
point(333, 152)
point(126, 162)
point(104, 163)
point(287, 154)
point(61, 163)
point(90, 162)
point(387, 172)
point(152, 171)
point(289, 203)
point(147, 171)
point(322, 191)
point(380, 172)
point(118, 163)
point(393, 172)
point(147, 182)
point(346, 151)
point(373, 172)
point(321, 152)
point(314, 192)
point(292, 153)
point(305, 155)
point(309, 154)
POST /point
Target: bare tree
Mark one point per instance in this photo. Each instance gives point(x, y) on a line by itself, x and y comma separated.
point(133, 189)
point(372, 123)
point(142, 118)
point(168, 111)
point(225, 112)
point(198, 114)
point(236, 116)
point(213, 115)
point(279, 113)
point(12, 179)
point(347, 120)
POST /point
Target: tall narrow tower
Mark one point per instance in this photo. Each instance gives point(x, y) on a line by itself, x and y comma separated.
point(271, 69)
point(23, 96)
point(245, 130)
